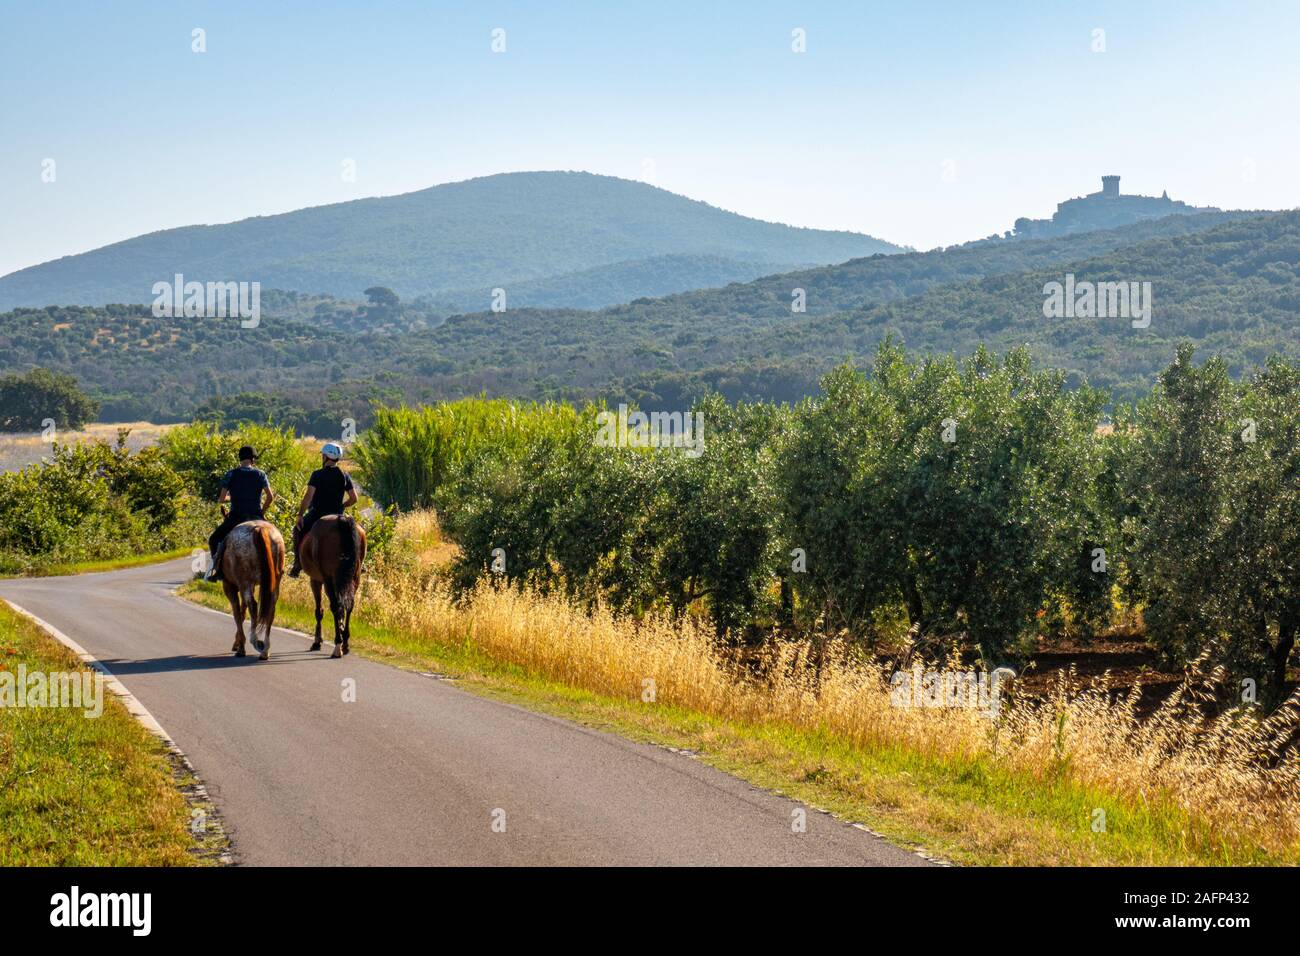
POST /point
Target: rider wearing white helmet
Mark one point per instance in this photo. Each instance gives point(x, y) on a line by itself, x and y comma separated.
point(329, 492)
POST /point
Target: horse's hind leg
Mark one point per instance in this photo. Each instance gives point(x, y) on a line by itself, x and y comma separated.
point(237, 611)
point(268, 611)
point(250, 601)
point(338, 626)
point(347, 629)
point(315, 593)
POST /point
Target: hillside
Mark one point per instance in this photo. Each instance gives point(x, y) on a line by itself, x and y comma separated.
point(1234, 287)
point(603, 286)
point(496, 231)
point(877, 279)
point(713, 296)
point(1234, 290)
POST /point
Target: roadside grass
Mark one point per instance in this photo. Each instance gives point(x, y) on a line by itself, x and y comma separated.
point(965, 807)
point(91, 567)
point(78, 791)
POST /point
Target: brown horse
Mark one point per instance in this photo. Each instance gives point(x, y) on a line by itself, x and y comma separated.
point(331, 554)
point(253, 556)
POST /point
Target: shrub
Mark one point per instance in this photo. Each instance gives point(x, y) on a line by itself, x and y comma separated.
point(90, 502)
point(637, 527)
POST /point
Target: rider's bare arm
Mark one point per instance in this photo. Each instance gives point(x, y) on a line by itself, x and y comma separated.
point(223, 496)
point(268, 496)
point(306, 500)
point(351, 499)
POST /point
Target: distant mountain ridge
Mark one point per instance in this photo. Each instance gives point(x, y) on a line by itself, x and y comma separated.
point(878, 279)
point(1229, 281)
point(525, 229)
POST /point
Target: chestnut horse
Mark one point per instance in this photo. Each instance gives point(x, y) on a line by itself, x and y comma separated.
point(253, 556)
point(332, 552)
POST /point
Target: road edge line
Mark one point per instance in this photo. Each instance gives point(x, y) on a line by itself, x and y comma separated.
point(195, 794)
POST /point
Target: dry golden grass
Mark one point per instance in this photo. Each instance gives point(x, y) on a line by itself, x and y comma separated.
point(20, 449)
point(1217, 787)
point(430, 551)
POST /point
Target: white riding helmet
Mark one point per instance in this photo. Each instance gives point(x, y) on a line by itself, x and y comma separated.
point(331, 451)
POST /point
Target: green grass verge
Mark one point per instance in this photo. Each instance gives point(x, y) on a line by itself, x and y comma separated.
point(90, 567)
point(78, 791)
point(969, 811)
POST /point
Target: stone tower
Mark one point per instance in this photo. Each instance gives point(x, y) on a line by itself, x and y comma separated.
point(1110, 186)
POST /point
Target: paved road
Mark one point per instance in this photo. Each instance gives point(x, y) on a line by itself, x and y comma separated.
point(414, 770)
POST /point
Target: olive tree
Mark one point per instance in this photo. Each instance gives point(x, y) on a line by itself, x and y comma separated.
point(714, 515)
point(962, 491)
point(1214, 531)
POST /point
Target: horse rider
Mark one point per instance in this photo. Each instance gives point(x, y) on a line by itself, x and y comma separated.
point(329, 492)
point(249, 493)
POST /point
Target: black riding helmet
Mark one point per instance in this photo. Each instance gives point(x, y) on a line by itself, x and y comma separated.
point(246, 453)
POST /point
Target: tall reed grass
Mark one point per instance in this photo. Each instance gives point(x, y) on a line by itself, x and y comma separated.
point(408, 456)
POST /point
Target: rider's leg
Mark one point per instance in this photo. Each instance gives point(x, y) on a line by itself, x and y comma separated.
point(214, 544)
point(297, 546)
point(215, 541)
point(299, 532)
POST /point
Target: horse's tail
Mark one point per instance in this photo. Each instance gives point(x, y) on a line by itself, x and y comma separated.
point(270, 576)
point(345, 575)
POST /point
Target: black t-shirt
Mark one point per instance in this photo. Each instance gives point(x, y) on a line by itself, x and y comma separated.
point(330, 485)
point(245, 485)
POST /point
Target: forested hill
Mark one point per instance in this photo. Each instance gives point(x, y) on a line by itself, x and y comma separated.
point(877, 279)
point(604, 286)
point(1234, 289)
point(714, 304)
point(483, 233)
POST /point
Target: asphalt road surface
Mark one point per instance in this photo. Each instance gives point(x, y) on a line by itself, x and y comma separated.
point(415, 771)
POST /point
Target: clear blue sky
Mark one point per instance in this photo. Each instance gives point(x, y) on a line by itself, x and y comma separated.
point(1197, 98)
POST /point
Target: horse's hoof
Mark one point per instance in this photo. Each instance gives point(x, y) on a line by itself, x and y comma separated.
point(345, 649)
point(240, 654)
point(265, 655)
point(316, 646)
point(337, 653)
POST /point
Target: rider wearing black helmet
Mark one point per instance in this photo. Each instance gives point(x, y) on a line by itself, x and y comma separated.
point(249, 493)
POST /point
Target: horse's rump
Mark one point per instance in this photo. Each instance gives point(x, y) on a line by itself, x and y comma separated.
point(253, 557)
point(269, 576)
point(332, 553)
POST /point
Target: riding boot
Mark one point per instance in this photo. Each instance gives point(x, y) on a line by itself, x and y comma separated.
point(297, 549)
point(214, 572)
